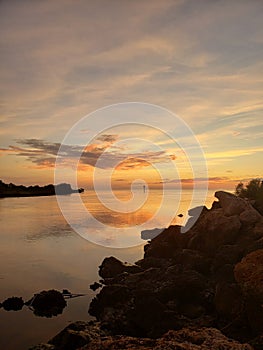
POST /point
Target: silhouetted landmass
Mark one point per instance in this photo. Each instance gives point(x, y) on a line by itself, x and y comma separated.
point(11, 190)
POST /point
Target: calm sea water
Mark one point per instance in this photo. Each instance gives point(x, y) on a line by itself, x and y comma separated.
point(39, 251)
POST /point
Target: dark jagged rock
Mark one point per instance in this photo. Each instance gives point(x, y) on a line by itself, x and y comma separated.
point(216, 205)
point(192, 259)
point(150, 261)
point(249, 275)
point(47, 303)
point(207, 276)
point(112, 267)
point(109, 296)
point(185, 339)
point(189, 277)
point(66, 292)
point(227, 254)
point(165, 244)
point(250, 216)
point(94, 286)
point(197, 211)
point(13, 304)
point(76, 335)
point(231, 204)
point(214, 230)
point(143, 303)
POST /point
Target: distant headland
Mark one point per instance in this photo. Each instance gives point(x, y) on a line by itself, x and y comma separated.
point(11, 190)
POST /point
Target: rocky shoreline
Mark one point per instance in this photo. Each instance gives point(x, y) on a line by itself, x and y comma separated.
point(202, 289)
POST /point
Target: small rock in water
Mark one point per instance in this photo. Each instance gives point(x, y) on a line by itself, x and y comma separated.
point(66, 292)
point(13, 304)
point(47, 303)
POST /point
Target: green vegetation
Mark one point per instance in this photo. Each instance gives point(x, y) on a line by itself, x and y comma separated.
point(252, 191)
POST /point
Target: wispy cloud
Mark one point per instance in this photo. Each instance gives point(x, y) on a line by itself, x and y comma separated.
point(101, 154)
point(192, 180)
point(63, 60)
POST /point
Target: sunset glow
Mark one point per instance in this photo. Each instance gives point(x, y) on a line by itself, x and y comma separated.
point(196, 59)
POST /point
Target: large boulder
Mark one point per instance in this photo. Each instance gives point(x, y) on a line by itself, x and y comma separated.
point(231, 204)
point(192, 259)
point(226, 254)
point(249, 275)
point(165, 244)
point(250, 216)
point(213, 230)
point(109, 296)
point(180, 284)
point(76, 335)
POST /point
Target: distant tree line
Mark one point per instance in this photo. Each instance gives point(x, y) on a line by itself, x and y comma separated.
point(11, 190)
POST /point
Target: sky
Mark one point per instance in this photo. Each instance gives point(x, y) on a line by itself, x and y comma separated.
point(62, 60)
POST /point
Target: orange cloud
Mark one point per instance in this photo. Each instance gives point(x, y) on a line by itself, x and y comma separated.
point(132, 163)
point(101, 154)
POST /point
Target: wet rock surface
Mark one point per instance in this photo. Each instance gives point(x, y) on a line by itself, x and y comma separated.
point(76, 335)
point(249, 276)
point(207, 279)
point(185, 339)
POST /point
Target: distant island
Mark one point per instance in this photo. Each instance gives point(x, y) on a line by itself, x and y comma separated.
point(11, 190)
